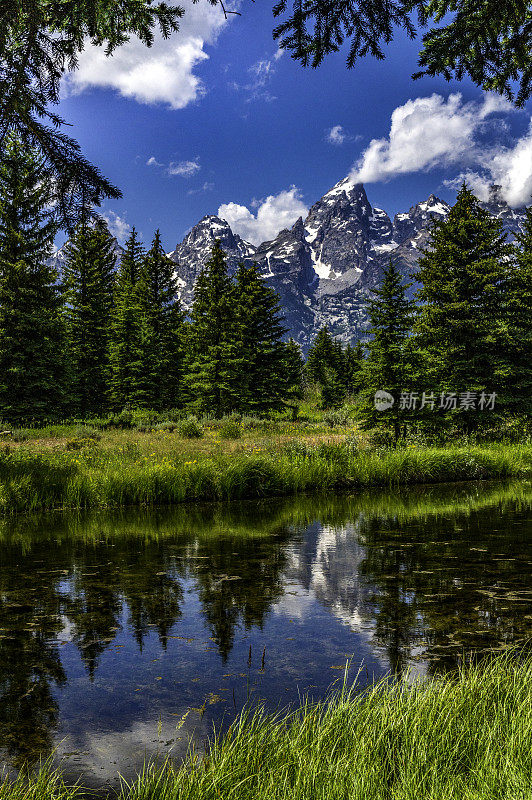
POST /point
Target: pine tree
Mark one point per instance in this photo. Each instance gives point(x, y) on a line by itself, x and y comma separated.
point(128, 329)
point(459, 329)
point(354, 368)
point(326, 367)
point(294, 365)
point(518, 324)
point(386, 367)
point(31, 324)
point(260, 331)
point(215, 367)
point(162, 324)
point(89, 281)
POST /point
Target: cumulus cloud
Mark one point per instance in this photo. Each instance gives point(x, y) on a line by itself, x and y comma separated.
point(118, 226)
point(509, 167)
point(185, 169)
point(337, 135)
point(152, 162)
point(425, 133)
point(272, 215)
point(163, 73)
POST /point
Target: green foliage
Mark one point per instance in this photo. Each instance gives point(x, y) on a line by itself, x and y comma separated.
point(387, 366)
point(190, 428)
point(464, 736)
point(216, 363)
point(39, 41)
point(258, 322)
point(460, 329)
point(230, 428)
point(89, 276)
point(488, 43)
point(32, 340)
point(517, 320)
point(99, 476)
point(327, 367)
point(128, 329)
point(294, 365)
point(160, 386)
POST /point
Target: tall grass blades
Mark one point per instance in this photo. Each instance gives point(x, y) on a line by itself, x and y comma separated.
point(91, 476)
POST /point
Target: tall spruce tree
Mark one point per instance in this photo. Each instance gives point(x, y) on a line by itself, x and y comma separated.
point(215, 366)
point(89, 275)
point(128, 329)
point(354, 368)
point(460, 326)
point(326, 367)
point(32, 366)
point(518, 322)
point(162, 328)
point(260, 331)
point(387, 366)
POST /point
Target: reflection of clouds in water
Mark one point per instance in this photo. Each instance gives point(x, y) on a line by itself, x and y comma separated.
point(99, 756)
point(66, 634)
point(295, 606)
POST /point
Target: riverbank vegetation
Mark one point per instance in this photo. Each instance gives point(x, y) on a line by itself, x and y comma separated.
point(163, 468)
point(462, 736)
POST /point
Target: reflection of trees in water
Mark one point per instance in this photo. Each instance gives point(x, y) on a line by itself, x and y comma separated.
point(30, 665)
point(415, 585)
point(452, 588)
point(75, 582)
point(419, 584)
point(238, 587)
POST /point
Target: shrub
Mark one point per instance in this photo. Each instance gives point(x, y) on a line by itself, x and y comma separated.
point(87, 432)
point(190, 428)
point(166, 426)
point(230, 428)
point(19, 435)
point(338, 417)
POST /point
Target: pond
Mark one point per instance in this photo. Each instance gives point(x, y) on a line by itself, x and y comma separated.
point(124, 635)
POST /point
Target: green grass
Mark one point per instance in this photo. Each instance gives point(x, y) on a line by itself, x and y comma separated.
point(99, 476)
point(466, 737)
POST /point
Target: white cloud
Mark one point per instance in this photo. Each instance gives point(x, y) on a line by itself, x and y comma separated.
point(261, 72)
point(509, 167)
point(152, 162)
point(163, 73)
point(425, 133)
point(337, 135)
point(185, 169)
point(208, 186)
point(273, 214)
point(118, 226)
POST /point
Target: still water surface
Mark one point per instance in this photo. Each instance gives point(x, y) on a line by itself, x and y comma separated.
point(113, 627)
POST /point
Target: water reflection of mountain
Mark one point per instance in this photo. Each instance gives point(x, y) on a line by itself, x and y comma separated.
point(415, 578)
point(326, 561)
point(427, 591)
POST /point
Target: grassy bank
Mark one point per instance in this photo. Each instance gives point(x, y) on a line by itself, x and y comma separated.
point(100, 476)
point(462, 738)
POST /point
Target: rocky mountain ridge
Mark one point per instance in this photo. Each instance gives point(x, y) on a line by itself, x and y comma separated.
point(324, 267)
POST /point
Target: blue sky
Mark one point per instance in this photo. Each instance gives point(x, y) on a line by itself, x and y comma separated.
point(217, 118)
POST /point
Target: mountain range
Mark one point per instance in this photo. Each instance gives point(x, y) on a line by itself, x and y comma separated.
point(325, 266)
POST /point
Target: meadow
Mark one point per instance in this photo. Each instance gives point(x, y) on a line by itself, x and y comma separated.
point(139, 461)
point(465, 736)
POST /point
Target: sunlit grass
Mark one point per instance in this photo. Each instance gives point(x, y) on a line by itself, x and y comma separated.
point(463, 737)
point(114, 473)
point(443, 739)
